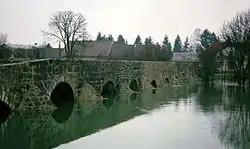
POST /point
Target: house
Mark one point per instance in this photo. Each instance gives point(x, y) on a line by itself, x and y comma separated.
point(21, 52)
point(94, 49)
point(128, 52)
point(107, 49)
point(33, 52)
point(20, 46)
point(15, 51)
point(121, 51)
point(47, 51)
point(98, 48)
point(5, 52)
point(51, 52)
point(138, 49)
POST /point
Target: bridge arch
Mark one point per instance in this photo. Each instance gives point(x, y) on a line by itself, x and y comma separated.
point(153, 84)
point(108, 90)
point(62, 94)
point(6, 106)
point(167, 80)
point(5, 111)
point(134, 85)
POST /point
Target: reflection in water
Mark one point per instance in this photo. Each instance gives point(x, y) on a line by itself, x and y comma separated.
point(182, 117)
point(108, 102)
point(234, 129)
point(63, 113)
point(134, 85)
point(208, 97)
point(37, 129)
point(153, 91)
point(134, 96)
point(63, 98)
point(230, 107)
point(166, 80)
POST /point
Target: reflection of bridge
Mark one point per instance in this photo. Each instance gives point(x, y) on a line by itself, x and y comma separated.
point(29, 84)
point(41, 127)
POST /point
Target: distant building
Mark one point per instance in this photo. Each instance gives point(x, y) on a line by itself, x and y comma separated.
point(20, 46)
point(185, 56)
point(121, 51)
point(51, 53)
point(94, 49)
point(125, 51)
point(22, 52)
point(5, 52)
point(17, 51)
point(138, 49)
point(107, 49)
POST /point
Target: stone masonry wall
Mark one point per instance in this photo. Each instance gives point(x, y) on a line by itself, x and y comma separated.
point(28, 85)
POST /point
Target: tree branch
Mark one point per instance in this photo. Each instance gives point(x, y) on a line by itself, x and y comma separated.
point(68, 27)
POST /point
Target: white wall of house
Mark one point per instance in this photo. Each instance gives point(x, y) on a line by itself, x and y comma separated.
point(185, 56)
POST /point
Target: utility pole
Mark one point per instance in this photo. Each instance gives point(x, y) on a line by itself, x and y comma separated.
point(59, 50)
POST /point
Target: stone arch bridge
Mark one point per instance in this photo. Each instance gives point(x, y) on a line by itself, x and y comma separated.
point(26, 85)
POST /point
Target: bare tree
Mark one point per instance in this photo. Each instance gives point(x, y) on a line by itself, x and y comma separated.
point(68, 27)
point(237, 33)
point(3, 38)
point(195, 39)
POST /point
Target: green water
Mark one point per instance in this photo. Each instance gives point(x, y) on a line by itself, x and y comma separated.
point(186, 117)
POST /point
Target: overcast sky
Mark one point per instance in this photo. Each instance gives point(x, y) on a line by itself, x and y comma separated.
point(24, 19)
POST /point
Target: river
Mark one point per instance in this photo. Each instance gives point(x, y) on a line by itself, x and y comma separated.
point(183, 117)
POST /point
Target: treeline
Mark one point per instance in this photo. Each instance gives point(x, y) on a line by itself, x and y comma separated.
point(69, 27)
point(232, 45)
point(166, 44)
point(207, 64)
point(151, 50)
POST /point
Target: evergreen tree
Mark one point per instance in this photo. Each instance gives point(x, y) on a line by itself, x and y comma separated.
point(206, 39)
point(120, 39)
point(48, 46)
point(148, 41)
point(110, 37)
point(138, 40)
point(177, 44)
point(205, 58)
point(104, 37)
point(186, 45)
point(157, 49)
point(149, 48)
point(99, 36)
point(166, 44)
point(157, 46)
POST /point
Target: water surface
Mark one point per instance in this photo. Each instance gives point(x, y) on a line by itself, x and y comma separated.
point(190, 117)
